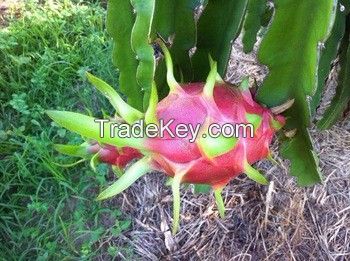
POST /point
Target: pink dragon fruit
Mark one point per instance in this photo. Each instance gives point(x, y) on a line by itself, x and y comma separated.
point(112, 155)
point(200, 159)
point(102, 153)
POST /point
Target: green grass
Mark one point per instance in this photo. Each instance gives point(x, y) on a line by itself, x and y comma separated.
point(47, 211)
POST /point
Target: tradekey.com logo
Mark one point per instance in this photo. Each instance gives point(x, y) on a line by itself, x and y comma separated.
point(173, 130)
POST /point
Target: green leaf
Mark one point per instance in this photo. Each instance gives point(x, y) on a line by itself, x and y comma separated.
point(128, 113)
point(120, 20)
point(136, 171)
point(87, 127)
point(328, 54)
point(140, 42)
point(292, 61)
point(252, 23)
point(342, 95)
point(218, 26)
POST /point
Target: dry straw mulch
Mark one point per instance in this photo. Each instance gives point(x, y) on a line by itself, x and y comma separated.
point(276, 222)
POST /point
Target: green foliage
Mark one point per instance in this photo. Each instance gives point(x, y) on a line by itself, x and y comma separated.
point(328, 54)
point(174, 22)
point(120, 21)
point(292, 61)
point(342, 96)
point(49, 212)
point(185, 32)
point(252, 23)
point(140, 43)
point(218, 26)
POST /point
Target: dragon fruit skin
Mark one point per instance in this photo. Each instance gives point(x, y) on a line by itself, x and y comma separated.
point(212, 161)
point(112, 155)
point(190, 107)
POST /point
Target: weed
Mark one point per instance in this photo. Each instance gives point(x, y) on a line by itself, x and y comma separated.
point(50, 212)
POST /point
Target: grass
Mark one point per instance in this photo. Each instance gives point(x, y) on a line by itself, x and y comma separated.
point(48, 211)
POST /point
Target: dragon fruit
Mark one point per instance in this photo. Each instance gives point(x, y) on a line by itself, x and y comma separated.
point(200, 159)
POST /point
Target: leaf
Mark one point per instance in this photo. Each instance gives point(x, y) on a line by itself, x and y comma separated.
point(252, 23)
point(342, 96)
point(218, 26)
point(292, 62)
point(120, 20)
point(142, 47)
point(136, 171)
point(328, 54)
